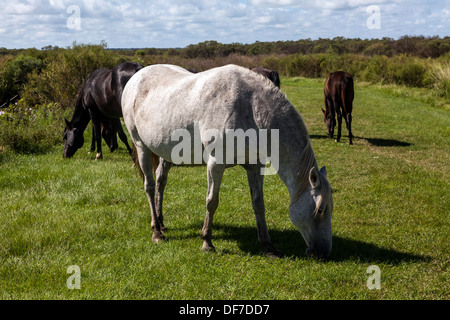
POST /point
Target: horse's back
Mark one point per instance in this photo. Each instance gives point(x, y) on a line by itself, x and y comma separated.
point(339, 87)
point(121, 74)
point(171, 92)
point(160, 99)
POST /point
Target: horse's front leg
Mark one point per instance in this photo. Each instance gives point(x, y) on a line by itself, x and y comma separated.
point(214, 174)
point(93, 140)
point(145, 161)
point(96, 125)
point(161, 180)
point(255, 181)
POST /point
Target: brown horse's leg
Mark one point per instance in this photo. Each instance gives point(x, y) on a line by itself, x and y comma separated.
point(255, 181)
point(348, 121)
point(339, 121)
point(145, 161)
point(214, 174)
point(161, 180)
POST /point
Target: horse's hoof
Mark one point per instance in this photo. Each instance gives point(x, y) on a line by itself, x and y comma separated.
point(208, 248)
point(157, 238)
point(273, 255)
point(98, 156)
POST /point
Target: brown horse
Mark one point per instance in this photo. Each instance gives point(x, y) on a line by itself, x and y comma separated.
point(272, 75)
point(339, 94)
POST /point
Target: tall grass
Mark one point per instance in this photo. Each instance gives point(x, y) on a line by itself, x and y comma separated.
point(438, 78)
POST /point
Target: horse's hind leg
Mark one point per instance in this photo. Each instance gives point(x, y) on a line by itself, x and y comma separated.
point(214, 174)
point(161, 180)
point(348, 121)
point(255, 181)
point(144, 156)
point(339, 122)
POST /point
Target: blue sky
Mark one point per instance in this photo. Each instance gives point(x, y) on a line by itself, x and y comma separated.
point(177, 23)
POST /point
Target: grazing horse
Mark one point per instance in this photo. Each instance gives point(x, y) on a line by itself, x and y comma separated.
point(162, 102)
point(339, 94)
point(99, 98)
point(269, 74)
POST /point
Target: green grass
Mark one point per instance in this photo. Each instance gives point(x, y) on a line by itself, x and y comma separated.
point(391, 195)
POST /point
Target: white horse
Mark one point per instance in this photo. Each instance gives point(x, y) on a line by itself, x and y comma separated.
point(161, 99)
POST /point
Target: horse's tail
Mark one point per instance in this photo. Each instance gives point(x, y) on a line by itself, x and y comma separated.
point(155, 162)
point(347, 97)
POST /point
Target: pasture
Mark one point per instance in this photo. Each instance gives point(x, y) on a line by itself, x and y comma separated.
point(391, 209)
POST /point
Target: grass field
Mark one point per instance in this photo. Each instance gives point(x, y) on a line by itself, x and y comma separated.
point(391, 209)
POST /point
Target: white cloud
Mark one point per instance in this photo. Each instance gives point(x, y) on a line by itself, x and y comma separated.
point(177, 23)
point(319, 4)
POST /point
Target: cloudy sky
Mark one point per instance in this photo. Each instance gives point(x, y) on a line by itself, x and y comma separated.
point(178, 23)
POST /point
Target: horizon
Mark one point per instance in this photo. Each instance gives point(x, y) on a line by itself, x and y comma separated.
point(107, 47)
point(176, 23)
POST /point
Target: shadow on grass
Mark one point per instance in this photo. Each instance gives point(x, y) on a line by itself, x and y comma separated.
point(290, 243)
point(376, 142)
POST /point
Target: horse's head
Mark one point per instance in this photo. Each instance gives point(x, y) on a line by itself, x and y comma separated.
point(330, 121)
point(73, 140)
point(311, 214)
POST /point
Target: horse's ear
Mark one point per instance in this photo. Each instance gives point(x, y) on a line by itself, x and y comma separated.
point(314, 178)
point(323, 111)
point(68, 124)
point(323, 171)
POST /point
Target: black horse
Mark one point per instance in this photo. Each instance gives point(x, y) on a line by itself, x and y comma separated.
point(99, 99)
point(272, 75)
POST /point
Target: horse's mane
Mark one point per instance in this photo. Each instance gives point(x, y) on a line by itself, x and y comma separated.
point(307, 158)
point(308, 161)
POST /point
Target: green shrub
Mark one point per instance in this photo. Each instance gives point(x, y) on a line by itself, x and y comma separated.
point(302, 65)
point(25, 130)
point(376, 70)
point(406, 70)
point(437, 78)
point(14, 75)
point(60, 81)
point(352, 63)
